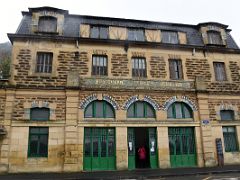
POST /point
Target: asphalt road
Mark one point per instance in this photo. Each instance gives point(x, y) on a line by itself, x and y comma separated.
point(219, 176)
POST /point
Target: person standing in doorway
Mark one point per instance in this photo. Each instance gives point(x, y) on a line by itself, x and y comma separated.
point(142, 156)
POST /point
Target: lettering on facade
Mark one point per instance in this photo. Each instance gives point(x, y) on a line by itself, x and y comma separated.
point(134, 84)
point(184, 99)
point(111, 101)
point(87, 101)
point(130, 101)
point(152, 102)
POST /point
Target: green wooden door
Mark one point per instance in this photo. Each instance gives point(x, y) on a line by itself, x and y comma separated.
point(182, 147)
point(131, 149)
point(99, 149)
point(153, 154)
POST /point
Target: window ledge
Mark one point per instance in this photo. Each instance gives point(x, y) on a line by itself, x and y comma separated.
point(46, 32)
point(42, 75)
point(99, 119)
point(180, 119)
point(141, 119)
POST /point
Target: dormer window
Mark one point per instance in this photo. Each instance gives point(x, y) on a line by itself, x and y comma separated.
point(100, 32)
point(214, 37)
point(136, 34)
point(47, 24)
point(169, 37)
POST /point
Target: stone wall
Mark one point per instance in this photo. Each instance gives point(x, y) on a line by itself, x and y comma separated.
point(20, 112)
point(158, 67)
point(119, 65)
point(198, 67)
point(2, 106)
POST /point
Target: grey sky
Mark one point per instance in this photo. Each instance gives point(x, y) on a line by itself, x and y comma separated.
point(177, 11)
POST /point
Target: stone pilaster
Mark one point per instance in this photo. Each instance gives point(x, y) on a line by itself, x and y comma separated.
point(206, 131)
point(163, 147)
point(73, 146)
point(121, 148)
point(5, 148)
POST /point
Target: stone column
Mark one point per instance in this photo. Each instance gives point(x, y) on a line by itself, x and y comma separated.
point(73, 135)
point(5, 148)
point(163, 147)
point(121, 148)
point(206, 132)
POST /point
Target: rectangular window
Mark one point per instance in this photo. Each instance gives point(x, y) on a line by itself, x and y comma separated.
point(99, 32)
point(139, 67)
point(38, 142)
point(214, 38)
point(169, 37)
point(230, 139)
point(44, 62)
point(41, 114)
point(99, 66)
point(220, 73)
point(175, 67)
point(136, 35)
point(227, 115)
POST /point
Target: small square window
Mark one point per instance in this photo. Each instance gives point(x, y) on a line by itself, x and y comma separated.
point(139, 67)
point(44, 62)
point(99, 65)
point(227, 115)
point(175, 67)
point(40, 114)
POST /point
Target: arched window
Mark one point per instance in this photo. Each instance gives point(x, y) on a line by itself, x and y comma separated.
point(179, 110)
point(47, 24)
point(99, 109)
point(141, 109)
point(39, 114)
point(227, 115)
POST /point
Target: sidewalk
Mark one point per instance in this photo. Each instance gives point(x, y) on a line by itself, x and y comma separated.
point(135, 174)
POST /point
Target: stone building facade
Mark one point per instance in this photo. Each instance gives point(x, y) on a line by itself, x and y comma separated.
point(85, 93)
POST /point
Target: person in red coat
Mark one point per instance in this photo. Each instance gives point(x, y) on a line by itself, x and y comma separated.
point(142, 156)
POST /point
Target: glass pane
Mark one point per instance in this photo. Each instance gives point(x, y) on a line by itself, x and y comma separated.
point(89, 111)
point(94, 32)
point(227, 115)
point(87, 146)
point(187, 111)
point(95, 146)
point(40, 113)
point(140, 109)
point(33, 145)
point(104, 143)
point(99, 109)
point(224, 129)
point(178, 145)
point(130, 111)
point(34, 130)
point(43, 130)
point(103, 32)
point(43, 145)
point(111, 145)
point(150, 111)
point(170, 112)
point(109, 111)
point(178, 110)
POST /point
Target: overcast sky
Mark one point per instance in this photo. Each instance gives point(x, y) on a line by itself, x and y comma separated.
point(177, 11)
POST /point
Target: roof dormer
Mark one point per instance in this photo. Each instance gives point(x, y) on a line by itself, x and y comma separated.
point(47, 20)
point(213, 34)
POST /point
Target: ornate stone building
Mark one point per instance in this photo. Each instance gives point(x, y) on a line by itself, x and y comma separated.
point(86, 92)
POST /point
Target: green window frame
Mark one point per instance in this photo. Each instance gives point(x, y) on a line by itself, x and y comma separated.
point(141, 109)
point(38, 142)
point(39, 114)
point(230, 139)
point(179, 110)
point(99, 109)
